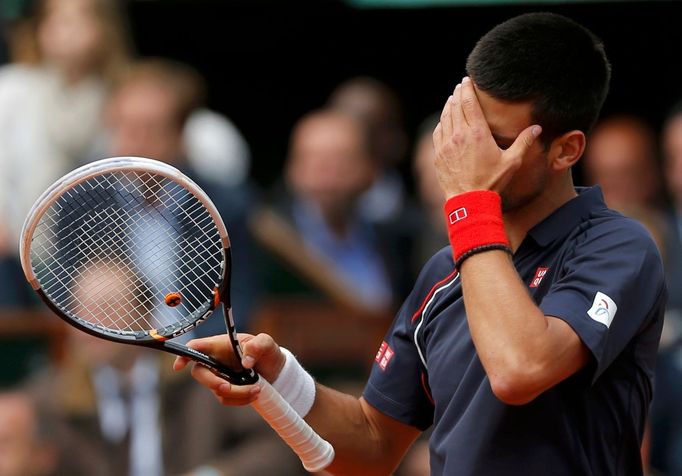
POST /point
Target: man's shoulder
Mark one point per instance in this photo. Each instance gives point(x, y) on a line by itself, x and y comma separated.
point(441, 262)
point(610, 226)
point(440, 268)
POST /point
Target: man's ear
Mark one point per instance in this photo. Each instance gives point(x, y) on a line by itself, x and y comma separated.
point(566, 149)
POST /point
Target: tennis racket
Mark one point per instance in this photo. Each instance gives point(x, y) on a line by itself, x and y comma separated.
point(131, 250)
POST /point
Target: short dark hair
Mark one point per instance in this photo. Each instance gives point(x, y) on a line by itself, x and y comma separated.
point(550, 60)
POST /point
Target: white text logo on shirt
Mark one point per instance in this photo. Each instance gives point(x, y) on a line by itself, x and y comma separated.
point(384, 355)
point(603, 309)
point(537, 279)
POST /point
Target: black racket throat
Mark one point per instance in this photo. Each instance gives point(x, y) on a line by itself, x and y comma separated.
point(235, 377)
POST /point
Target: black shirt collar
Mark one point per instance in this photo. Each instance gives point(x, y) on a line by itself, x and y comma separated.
point(568, 216)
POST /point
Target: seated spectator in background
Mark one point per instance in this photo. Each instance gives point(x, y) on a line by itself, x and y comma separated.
point(129, 412)
point(216, 149)
point(671, 146)
point(432, 234)
point(666, 412)
point(146, 116)
point(329, 167)
point(621, 157)
point(378, 107)
point(33, 442)
point(65, 58)
point(25, 447)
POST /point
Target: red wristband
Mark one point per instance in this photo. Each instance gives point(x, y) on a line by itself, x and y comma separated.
point(474, 221)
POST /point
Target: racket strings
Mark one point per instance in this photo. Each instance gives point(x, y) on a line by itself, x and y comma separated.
point(112, 247)
point(151, 255)
point(111, 225)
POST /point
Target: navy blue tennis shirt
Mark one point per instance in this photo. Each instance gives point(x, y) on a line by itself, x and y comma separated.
point(585, 264)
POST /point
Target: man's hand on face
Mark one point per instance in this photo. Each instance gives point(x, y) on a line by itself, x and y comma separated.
point(467, 157)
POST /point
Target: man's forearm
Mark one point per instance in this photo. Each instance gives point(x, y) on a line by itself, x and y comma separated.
point(365, 441)
point(522, 351)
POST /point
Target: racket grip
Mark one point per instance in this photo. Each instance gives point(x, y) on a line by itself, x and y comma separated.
point(315, 452)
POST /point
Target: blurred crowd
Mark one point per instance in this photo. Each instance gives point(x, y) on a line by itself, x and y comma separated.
point(357, 212)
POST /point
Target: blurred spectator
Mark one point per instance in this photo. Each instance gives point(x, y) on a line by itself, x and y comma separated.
point(621, 156)
point(672, 163)
point(25, 447)
point(666, 412)
point(65, 57)
point(378, 107)
point(146, 116)
point(33, 442)
point(432, 234)
point(133, 415)
point(216, 149)
point(328, 168)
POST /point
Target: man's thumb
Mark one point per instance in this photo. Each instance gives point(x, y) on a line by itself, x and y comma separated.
point(525, 140)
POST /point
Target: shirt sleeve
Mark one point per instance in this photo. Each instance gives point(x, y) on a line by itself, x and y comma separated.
point(397, 384)
point(609, 289)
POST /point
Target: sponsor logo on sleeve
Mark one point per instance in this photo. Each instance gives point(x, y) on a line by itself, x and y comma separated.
point(384, 355)
point(603, 309)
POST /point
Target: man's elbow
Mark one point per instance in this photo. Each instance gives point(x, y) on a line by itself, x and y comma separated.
point(512, 391)
point(518, 381)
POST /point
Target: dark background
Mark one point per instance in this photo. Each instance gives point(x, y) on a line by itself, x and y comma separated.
point(267, 63)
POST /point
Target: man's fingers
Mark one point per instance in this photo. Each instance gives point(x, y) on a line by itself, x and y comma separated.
point(471, 109)
point(458, 120)
point(219, 347)
point(438, 136)
point(524, 141)
point(180, 363)
point(256, 348)
point(206, 377)
point(446, 118)
point(237, 395)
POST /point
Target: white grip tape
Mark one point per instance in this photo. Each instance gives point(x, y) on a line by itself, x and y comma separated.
point(315, 453)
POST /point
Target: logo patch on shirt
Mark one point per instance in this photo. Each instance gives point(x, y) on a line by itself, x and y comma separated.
point(384, 355)
point(603, 309)
point(537, 279)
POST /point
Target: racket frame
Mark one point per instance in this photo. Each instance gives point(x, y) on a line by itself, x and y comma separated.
point(315, 452)
point(151, 338)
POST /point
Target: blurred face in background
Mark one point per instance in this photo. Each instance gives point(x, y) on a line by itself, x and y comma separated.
point(21, 451)
point(70, 35)
point(430, 193)
point(99, 297)
point(620, 156)
point(329, 163)
point(143, 121)
point(672, 153)
point(378, 108)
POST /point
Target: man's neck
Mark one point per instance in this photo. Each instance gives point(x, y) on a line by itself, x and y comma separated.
point(519, 221)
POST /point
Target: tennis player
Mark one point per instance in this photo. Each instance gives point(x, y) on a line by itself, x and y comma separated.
point(529, 343)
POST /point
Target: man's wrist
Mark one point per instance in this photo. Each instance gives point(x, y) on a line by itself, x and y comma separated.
point(295, 385)
point(475, 224)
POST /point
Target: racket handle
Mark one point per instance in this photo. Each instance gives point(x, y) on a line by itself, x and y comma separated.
point(315, 452)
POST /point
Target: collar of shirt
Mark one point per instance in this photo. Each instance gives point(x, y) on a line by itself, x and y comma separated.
point(568, 216)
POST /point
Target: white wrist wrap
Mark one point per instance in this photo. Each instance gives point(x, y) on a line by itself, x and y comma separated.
point(295, 385)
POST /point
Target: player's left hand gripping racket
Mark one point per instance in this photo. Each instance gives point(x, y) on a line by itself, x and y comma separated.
point(131, 250)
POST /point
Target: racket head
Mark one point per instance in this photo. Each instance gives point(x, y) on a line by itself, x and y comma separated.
point(129, 249)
